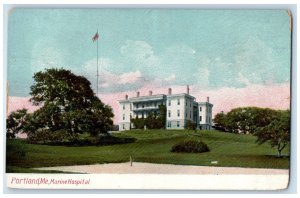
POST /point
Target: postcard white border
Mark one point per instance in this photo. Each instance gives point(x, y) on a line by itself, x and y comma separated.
point(295, 73)
point(147, 181)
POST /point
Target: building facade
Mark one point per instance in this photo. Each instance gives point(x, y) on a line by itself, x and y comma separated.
point(180, 109)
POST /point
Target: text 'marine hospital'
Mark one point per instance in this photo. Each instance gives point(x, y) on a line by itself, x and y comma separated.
point(180, 108)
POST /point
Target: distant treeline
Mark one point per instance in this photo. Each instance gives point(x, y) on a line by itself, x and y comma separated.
point(269, 125)
point(246, 119)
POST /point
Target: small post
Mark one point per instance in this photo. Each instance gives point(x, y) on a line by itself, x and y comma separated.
point(130, 158)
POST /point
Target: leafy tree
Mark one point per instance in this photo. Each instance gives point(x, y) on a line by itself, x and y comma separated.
point(138, 123)
point(244, 119)
point(36, 121)
point(15, 123)
point(152, 121)
point(162, 116)
point(67, 104)
point(220, 121)
point(277, 132)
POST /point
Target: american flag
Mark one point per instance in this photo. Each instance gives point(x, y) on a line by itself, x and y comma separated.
point(95, 38)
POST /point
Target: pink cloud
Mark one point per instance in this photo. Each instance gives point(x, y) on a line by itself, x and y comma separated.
point(267, 96)
point(276, 96)
point(130, 77)
point(15, 103)
point(110, 79)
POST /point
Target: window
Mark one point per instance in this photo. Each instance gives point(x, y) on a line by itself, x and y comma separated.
point(169, 124)
point(169, 102)
point(190, 114)
point(137, 106)
point(123, 106)
point(200, 108)
point(178, 113)
point(178, 123)
point(200, 118)
point(123, 126)
point(155, 104)
point(123, 116)
point(178, 101)
point(130, 107)
point(143, 106)
point(169, 113)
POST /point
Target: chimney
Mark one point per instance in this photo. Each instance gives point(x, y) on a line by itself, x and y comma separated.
point(138, 94)
point(126, 97)
point(150, 93)
point(207, 99)
point(188, 89)
point(170, 91)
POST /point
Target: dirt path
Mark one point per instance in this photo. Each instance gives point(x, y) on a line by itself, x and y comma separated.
point(149, 168)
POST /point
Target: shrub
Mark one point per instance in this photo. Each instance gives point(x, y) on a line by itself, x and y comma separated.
point(109, 140)
point(47, 136)
point(15, 151)
point(138, 123)
point(190, 146)
point(191, 125)
point(42, 135)
point(101, 140)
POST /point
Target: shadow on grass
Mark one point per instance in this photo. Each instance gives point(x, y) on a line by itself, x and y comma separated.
point(278, 157)
point(16, 169)
point(100, 141)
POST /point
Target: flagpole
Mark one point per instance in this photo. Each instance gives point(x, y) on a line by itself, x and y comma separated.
point(97, 65)
point(7, 98)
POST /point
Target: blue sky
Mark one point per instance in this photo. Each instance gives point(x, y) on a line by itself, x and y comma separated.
point(210, 49)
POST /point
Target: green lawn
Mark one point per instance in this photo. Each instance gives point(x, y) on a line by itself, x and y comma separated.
point(154, 146)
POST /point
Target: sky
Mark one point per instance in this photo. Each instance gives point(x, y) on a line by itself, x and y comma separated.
point(236, 57)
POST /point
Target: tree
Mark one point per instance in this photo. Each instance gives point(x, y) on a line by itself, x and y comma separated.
point(67, 104)
point(244, 119)
point(15, 123)
point(138, 123)
point(152, 121)
point(220, 121)
point(162, 116)
point(277, 132)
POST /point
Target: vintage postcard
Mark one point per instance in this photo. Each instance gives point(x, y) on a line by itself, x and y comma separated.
point(190, 99)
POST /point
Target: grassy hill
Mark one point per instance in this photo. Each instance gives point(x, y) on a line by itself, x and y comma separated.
point(231, 150)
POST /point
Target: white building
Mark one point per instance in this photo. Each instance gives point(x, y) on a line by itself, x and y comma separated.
point(180, 109)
